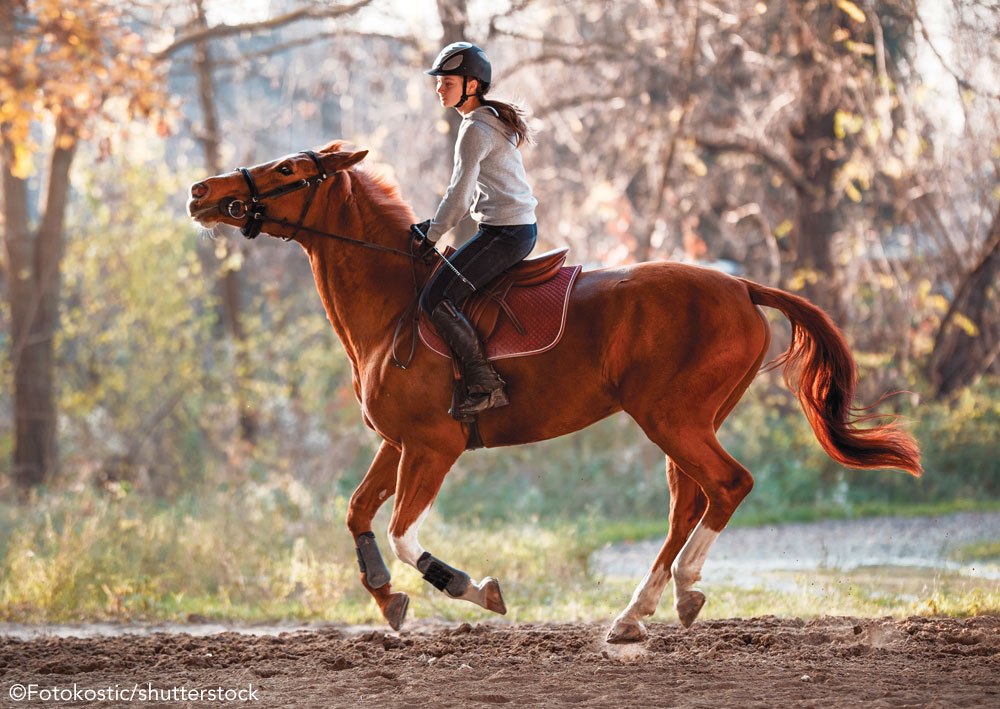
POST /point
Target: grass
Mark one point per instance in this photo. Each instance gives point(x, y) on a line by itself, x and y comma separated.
point(274, 551)
point(848, 594)
point(982, 551)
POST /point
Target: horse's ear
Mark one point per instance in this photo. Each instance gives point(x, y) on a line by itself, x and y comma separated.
point(343, 161)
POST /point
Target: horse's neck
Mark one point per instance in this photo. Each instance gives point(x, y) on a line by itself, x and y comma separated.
point(364, 291)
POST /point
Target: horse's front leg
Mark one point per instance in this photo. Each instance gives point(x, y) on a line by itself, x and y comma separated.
point(421, 472)
point(377, 486)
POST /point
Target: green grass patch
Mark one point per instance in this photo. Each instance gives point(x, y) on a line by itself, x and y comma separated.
point(981, 551)
point(847, 595)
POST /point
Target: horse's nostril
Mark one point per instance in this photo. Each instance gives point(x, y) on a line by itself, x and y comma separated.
point(199, 190)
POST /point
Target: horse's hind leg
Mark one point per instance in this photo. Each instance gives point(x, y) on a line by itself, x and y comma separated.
point(421, 473)
point(687, 504)
point(725, 483)
point(377, 486)
point(723, 480)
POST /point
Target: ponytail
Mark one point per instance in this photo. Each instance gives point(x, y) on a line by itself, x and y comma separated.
point(512, 116)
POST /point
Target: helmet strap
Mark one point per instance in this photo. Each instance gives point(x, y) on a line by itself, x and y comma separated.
point(465, 94)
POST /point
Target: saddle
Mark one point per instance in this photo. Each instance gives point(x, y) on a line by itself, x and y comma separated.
point(532, 297)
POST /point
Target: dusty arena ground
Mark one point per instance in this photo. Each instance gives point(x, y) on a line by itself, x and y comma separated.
point(760, 662)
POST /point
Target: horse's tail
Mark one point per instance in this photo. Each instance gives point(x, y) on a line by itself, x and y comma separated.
point(818, 366)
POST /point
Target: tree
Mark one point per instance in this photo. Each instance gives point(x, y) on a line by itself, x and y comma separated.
point(198, 35)
point(68, 67)
point(968, 341)
point(965, 211)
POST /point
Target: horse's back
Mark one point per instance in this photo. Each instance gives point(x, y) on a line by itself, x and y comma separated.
point(647, 309)
point(680, 286)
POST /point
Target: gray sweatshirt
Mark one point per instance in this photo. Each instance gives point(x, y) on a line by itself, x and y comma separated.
point(488, 177)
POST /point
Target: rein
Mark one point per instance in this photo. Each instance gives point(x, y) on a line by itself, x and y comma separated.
point(256, 217)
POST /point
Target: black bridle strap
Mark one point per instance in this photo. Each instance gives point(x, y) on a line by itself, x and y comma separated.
point(414, 308)
point(318, 232)
point(316, 182)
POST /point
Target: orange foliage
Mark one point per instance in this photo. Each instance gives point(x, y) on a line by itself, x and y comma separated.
point(74, 62)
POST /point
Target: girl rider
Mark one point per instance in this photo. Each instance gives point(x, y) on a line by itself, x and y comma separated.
point(488, 177)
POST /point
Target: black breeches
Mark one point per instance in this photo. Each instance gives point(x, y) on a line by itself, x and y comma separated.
point(485, 256)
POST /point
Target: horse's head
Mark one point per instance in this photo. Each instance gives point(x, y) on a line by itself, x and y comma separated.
point(279, 193)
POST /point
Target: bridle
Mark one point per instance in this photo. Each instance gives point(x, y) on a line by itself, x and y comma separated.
point(255, 214)
point(255, 211)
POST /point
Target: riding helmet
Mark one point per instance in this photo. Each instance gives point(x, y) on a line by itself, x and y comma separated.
point(463, 59)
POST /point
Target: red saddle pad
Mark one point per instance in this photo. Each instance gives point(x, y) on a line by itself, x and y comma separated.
point(540, 309)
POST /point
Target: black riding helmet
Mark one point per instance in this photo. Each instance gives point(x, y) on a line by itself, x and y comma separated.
point(465, 60)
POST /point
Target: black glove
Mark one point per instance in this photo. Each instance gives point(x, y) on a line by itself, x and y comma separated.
point(425, 247)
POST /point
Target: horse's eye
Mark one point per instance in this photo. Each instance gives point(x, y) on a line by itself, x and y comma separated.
point(285, 169)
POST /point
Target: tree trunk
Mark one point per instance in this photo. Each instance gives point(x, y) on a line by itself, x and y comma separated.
point(814, 148)
point(230, 279)
point(35, 280)
point(675, 130)
point(34, 263)
point(968, 342)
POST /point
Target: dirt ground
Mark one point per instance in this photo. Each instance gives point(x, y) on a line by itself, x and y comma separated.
point(760, 662)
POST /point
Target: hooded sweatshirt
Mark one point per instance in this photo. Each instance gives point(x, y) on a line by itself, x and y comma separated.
point(488, 177)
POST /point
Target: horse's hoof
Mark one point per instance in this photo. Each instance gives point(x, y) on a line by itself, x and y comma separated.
point(626, 631)
point(689, 607)
point(492, 597)
point(395, 610)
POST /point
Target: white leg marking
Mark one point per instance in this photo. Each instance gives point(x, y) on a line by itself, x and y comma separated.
point(407, 547)
point(647, 594)
point(687, 566)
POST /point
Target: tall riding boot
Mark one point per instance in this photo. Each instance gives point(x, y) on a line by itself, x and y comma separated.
point(484, 385)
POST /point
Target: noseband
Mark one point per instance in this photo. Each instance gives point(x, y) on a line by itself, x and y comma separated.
point(254, 210)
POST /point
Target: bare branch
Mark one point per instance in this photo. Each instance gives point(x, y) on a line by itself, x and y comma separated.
point(299, 43)
point(218, 31)
point(580, 100)
point(741, 144)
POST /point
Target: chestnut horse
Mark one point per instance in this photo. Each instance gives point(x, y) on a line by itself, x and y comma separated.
point(672, 345)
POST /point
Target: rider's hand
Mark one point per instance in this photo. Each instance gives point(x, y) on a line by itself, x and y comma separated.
point(425, 247)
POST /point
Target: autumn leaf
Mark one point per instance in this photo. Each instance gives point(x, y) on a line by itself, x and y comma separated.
point(852, 10)
point(75, 61)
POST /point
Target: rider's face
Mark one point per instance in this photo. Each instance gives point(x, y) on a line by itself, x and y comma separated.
point(449, 89)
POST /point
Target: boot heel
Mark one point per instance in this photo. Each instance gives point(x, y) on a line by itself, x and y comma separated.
point(498, 398)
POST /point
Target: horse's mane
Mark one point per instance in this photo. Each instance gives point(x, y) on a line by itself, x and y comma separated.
point(380, 187)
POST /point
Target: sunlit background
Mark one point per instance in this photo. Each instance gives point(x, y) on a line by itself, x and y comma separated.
point(178, 427)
